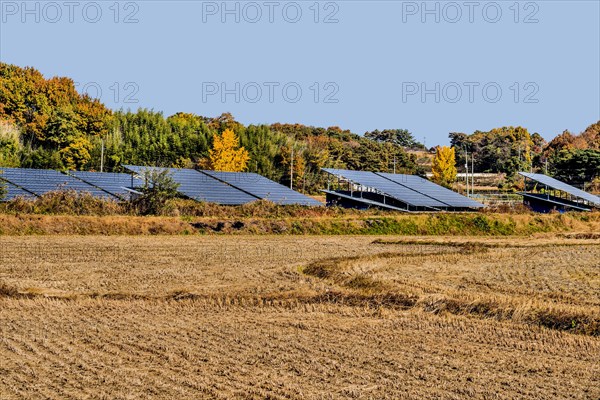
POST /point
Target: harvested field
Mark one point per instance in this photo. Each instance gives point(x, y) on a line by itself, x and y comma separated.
point(299, 317)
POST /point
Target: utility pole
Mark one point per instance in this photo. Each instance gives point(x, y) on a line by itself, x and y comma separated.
point(394, 164)
point(102, 155)
point(472, 173)
point(292, 170)
point(530, 162)
point(467, 171)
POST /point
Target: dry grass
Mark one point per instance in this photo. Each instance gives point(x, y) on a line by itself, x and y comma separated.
point(236, 317)
point(265, 219)
point(547, 283)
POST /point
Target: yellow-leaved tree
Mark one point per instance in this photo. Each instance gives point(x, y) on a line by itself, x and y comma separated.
point(226, 153)
point(444, 166)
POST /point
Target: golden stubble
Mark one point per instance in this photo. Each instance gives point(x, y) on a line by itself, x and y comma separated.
point(241, 317)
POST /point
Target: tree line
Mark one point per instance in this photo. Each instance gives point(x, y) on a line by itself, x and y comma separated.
point(46, 123)
point(569, 157)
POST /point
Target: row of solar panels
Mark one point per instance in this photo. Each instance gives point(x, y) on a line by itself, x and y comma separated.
point(30, 183)
point(234, 188)
point(408, 189)
point(229, 188)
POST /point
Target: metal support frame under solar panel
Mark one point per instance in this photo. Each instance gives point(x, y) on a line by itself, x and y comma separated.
point(366, 183)
point(346, 200)
point(373, 196)
point(557, 195)
point(545, 204)
point(349, 188)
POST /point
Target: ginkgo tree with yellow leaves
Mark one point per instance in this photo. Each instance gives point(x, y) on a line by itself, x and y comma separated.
point(226, 153)
point(444, 166)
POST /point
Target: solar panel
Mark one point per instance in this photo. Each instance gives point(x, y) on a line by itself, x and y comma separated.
point(41, 181)
point(433, 190)
point(558, 185)
point(12, 191)
point(111, 182)
point(263, 188)
point(390, 188)
point(201, 187)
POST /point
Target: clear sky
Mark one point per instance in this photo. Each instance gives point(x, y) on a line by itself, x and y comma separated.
point(430, 67)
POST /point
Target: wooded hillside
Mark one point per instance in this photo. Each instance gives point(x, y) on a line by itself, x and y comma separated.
point(46, 123)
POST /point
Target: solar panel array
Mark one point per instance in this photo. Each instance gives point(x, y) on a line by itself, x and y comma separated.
point(390, 188)
point(41, 181)
point(558, 185)
point(227, 188)
point(263, 188)
point(12, 191)
point(433, 190)
point(200, 187)
point(409, 189)
point(113, 183)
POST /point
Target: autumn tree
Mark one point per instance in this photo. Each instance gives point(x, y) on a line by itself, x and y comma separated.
point(77, 154)
point(444, 166)
point(226, 153)
point(293, 161)
point(10, 144)
point(400, 137)
point(575, 159)
point(502, 150)
point(55, 121)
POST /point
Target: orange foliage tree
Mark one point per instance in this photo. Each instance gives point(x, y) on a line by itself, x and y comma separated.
point(444, 166)
point(226, 153)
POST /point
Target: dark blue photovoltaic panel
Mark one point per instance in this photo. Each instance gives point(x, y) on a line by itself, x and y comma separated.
point(111, 182)
point(201, 187)
point(263, 188)
point(41, 181)
point(392, 189)
point(433, 190)
point(13, 191)
point(563, 187)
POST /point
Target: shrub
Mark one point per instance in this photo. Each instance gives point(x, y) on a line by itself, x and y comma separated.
point(159, 187)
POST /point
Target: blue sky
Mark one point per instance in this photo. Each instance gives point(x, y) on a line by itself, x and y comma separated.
point(430, 67)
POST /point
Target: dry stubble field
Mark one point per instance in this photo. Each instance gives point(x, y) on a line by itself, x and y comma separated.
point(299, 317)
